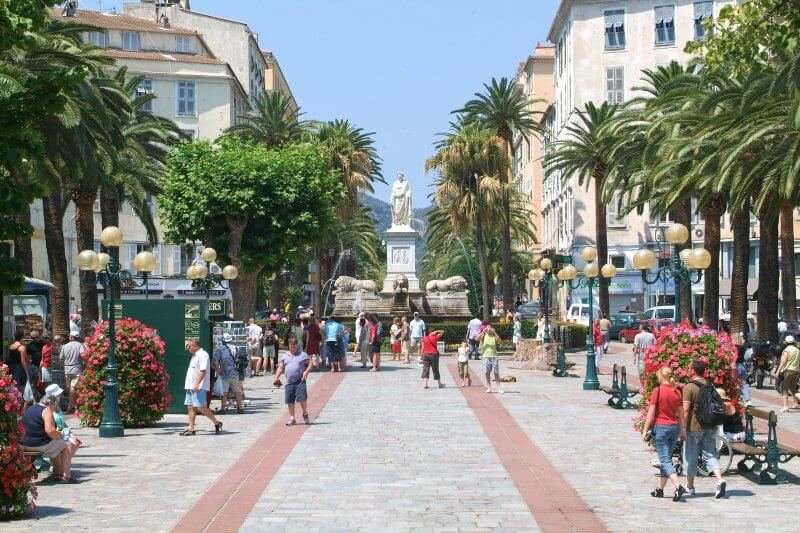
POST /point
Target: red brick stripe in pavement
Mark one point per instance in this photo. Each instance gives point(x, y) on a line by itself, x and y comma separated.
point(552, 500)
point(228, 502)
point(785, 436)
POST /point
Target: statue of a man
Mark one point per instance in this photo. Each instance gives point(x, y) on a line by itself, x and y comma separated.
point(401, 201)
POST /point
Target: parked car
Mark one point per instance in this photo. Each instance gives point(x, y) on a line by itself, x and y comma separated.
point(627, 334)
point(580, 313)
point(620, 322)
point(661, 311)
point(529, 310)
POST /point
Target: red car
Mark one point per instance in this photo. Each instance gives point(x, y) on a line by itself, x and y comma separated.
point(627, 334)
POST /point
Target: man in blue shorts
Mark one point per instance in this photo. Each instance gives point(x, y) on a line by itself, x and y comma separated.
point(197, 385)
point(296, 364)
point(332, 331)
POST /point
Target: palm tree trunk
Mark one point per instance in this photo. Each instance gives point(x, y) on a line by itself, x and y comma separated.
point(84, 228)
point(740, 221)
point(57, 263)
point(768, 276)
point(109, 216)
point(505, 229)
point(23, 251)
point(787, 263)
point(601, 238)
point(683, 215)
point(712, 215)
point(480, 250)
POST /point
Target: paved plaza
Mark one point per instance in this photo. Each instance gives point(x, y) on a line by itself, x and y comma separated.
point(385, 455)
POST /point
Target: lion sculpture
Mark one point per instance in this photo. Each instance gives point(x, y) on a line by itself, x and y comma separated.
point(346, 284)
point(451, 284)
point(400, 284)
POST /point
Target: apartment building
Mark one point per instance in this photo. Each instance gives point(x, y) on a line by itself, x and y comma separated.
point(601, 47)
point(201, 82)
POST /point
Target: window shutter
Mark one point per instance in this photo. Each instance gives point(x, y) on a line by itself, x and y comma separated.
point(157, 253)
point(176, 260)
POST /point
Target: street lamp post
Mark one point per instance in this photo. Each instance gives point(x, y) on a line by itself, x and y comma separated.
point(542, 278)
point(590, 280)
point(686, 267)
point(109, 275)
point(204, 279)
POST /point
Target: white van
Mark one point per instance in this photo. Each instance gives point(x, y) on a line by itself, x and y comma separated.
point(662, 311)
point(580, 313)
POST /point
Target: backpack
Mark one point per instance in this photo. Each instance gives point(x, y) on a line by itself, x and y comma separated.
point(709, 409)
point(269, 338)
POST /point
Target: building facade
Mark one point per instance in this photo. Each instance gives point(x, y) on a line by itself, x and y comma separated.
point(601, 47)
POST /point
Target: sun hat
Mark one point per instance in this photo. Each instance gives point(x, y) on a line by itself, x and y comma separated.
point(73, 334)
point(226, 337)
point(789, 339)
point(53, 390)
point(723, 394)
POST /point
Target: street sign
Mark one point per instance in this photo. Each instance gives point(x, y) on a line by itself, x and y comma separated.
point(217, 307)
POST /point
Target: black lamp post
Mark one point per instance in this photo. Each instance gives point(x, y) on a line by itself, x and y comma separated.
point(204, 279)
point(110, 275)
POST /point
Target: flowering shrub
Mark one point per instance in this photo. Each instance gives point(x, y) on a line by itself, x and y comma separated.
point(143, 380)
point(677, 347)
point(17, 493)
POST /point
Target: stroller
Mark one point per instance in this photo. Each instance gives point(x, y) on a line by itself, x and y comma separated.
point(724, 455)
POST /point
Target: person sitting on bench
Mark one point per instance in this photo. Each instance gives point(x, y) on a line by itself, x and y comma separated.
point(42, 435)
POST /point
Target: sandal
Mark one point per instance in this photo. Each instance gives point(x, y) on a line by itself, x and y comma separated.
point(657, 493)
point(217, 428)
point(291, 422)
point(240, 411)
point(187, 433)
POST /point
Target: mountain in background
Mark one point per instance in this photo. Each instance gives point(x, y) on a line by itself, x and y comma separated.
point(382, 214)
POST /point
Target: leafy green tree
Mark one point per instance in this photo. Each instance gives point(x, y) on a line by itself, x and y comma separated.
point(503, 109)
point(259, 208)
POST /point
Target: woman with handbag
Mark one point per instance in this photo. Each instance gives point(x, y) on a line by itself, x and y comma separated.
point(664, 425)
point(789, 372)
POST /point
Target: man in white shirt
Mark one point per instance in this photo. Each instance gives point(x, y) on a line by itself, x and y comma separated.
point(254, 347)
point(641, 343)
point(417, 330)
point(197, 385)
point(473, 329)
point(358, 331)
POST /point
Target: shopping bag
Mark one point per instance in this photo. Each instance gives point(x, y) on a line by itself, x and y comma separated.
point(219, 389)
point(46, 376)
point(27, 394)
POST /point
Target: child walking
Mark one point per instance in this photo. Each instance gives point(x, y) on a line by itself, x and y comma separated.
point(463, 364)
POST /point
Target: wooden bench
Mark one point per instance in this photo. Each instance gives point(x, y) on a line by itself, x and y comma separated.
point(618, 390)
point(33, 455)
point(760, 453)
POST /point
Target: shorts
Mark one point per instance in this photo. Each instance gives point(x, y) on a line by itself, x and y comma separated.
point(463, 369)
point(404, 346)
point(395, 347)
point(268, 351)
point(516, 339)
point(195, 399)
point(253, 350)
point(296, 392)
point(416, 341)
point(332, 351)
point(52, 449)
point(375, 348)
point(492, 365)
point(790, 378)
point(72, 380)
point(231, 385)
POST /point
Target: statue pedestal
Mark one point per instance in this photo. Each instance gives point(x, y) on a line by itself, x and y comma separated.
point(401, 257)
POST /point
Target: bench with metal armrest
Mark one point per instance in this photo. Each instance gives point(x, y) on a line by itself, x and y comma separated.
point(619, 392)
point(769, 452)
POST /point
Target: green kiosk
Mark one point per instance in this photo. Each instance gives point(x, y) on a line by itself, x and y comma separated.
point(177, 321)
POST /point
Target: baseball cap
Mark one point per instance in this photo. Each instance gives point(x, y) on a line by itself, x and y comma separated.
point(789, 339)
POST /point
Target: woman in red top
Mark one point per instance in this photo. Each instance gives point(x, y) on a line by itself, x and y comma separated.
point(665, 416)
point(313, 338)
point(430, 357)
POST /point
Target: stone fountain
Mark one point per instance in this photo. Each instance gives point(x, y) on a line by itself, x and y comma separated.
point(400, 293)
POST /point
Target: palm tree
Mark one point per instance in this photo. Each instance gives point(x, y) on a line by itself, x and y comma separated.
point(275, 121)
point(586, 154)
point(469, 190)
point(503, 109)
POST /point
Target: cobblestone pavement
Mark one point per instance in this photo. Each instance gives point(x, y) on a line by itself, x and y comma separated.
point(385, 455)
point(148, 479)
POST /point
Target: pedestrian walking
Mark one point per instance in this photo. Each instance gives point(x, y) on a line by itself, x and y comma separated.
point(375, 342)
point(332, 331)
point(641, 343)
point(269, 347)
point(35, 348)
point(405, 336)
point(72, 357)
point(394, 333)
point(430, 357)
point(605, 331)
point(541, 325)
point(313, 341)
point(597, 337)
point(664, 425)
point(473, 329)
point(417, 331)
point(362, 340)
point(743, 353)
point(296, 365)
point(699, 396)
point(45, 373)
point(463, 364)
point(227, 374)
point(198, 385)
point(254, 352)
point(790, 368)
point(490, 340)
point(516, 334)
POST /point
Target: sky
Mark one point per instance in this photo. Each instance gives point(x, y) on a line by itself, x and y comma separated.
point(393, 67)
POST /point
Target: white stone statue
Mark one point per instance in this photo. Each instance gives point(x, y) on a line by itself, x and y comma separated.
point(401, 201)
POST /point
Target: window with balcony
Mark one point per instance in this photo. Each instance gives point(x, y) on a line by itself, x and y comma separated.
point(615, 85)
point(702, 11)
point(130, 40)
point(183, 44)
point(145, 88)
point(665, 25)
point(100, 38)
point(186, 98)
point(614, 29)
